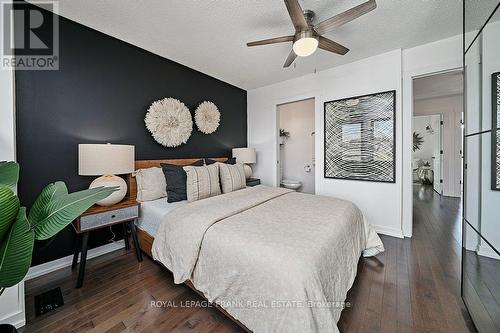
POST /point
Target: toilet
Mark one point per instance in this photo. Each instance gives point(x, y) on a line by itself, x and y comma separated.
point(291, 184)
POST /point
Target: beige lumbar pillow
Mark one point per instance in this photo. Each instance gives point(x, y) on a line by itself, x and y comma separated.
point(232, 177)
point(151, 184)
point(202, 181)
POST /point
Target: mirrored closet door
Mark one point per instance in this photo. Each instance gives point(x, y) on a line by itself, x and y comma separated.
point(481, 215)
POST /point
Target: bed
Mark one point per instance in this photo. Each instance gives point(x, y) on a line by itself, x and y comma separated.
point(272, 259)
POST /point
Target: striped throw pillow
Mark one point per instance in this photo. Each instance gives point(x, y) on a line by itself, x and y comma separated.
point(232, 177)
point(202, 182)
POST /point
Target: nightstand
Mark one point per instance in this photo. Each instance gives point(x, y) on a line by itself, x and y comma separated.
point(253, 182)
point(97, 217)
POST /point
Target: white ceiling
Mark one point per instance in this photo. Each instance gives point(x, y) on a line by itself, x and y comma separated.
point(210, 35)
point(440, 85)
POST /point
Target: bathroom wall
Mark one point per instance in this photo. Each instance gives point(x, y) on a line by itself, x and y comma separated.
point(297, 151)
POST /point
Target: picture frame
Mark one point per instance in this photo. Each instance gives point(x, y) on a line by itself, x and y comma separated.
point(360, 138)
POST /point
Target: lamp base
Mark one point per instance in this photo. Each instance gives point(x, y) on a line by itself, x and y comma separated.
point(108, 181)
point(248, 170)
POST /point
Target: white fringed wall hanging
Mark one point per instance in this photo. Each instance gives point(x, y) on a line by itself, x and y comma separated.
point(207, 117)
point(169, 121)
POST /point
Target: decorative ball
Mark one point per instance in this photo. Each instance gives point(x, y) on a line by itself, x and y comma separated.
point(169, 121)
point(207, 117)
point(248, 170)
point(110, 181)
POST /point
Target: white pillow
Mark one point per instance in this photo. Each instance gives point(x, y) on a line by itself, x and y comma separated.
point(232, 177)
point(151, 184)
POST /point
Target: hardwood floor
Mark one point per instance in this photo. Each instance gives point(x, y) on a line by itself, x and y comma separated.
point(414, 286)
point(482, 289)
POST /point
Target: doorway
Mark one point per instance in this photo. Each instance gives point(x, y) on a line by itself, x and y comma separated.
point(437, 143)
point(296, 160)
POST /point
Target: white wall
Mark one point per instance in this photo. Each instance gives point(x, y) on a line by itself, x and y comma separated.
point(380, 202)
point(7, 146)
point(298, 150)
point(12, 300)
point(472, 174)
point(450, 107)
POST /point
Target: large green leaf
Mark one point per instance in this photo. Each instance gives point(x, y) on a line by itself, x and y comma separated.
point(15, 251)
point(9, 206)
point(64, 209)
point(49, 193)
point(9, 174)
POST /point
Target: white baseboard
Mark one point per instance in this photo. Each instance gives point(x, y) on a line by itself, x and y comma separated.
point(486, 251)
point(12, 306)
point(393, 232)
point(54, 265)
point(18, 319)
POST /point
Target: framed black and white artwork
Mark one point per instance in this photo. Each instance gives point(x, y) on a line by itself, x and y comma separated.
point(360, 138)
point(495, 133)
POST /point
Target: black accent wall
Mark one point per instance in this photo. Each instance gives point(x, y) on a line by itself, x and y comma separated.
point(100, 94)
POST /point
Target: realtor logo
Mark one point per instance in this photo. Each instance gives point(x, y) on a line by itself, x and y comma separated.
point(30, 35)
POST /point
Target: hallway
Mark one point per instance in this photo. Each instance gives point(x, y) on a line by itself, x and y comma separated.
point(442, 214)
point(415, 284)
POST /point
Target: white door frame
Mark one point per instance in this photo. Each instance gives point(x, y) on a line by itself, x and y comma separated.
point(407, 184)
point(291, 99)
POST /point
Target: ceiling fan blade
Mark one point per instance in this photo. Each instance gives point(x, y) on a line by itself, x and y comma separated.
point(345, 17)
point(271, 41)
point(330, 45)
point(290, 59)
point(296, 14)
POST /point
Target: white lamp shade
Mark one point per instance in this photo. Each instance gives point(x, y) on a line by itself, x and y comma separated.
point(245, 155)
point(105, 159)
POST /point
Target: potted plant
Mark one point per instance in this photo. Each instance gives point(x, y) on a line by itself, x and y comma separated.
point(51, 212)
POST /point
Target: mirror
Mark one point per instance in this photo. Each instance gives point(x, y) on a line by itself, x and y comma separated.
point(480, 255)
point(476, 14)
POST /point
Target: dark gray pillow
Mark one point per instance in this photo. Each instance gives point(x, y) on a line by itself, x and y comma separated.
point(176, 181)
point(231, 160)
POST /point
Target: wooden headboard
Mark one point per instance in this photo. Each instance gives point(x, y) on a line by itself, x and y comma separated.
point(143, 164)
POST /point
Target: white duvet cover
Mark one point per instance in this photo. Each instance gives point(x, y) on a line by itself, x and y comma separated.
point(276, 260)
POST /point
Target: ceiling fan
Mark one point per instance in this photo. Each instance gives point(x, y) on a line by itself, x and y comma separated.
point(308, 37)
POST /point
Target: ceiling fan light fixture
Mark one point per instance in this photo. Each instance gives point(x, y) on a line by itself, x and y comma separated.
point(305, 46)
point(309, 36)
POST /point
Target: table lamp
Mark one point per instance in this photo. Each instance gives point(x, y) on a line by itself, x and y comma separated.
point(106, 160)
point(245, 156)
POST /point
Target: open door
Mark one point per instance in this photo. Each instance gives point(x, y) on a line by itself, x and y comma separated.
point(437, 156)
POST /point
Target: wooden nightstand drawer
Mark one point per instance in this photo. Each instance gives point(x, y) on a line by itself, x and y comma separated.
point(89, 222)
